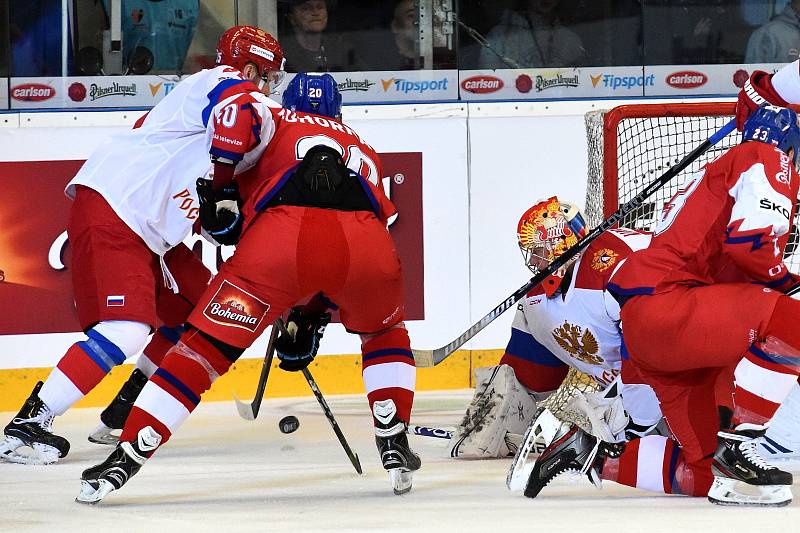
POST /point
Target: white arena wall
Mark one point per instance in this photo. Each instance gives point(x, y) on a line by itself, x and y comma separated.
point(483, 164)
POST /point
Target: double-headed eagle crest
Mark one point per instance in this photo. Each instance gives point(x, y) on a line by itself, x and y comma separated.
point(580, 344)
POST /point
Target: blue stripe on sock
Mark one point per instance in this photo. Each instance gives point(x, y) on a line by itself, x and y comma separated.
point(175, 382)
point(673, 467)
point(109, 348)
point(778, 359)
point(99, 361)
point(173, 335)
point(387, 351)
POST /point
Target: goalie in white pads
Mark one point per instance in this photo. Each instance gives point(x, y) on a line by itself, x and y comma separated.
point(569, 321)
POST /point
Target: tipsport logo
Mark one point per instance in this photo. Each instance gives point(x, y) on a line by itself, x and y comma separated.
point(407, 86)
point(155, 88)
point(613, 82)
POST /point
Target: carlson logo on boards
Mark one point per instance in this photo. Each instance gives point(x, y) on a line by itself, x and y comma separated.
point(32, 92)
point(482, 84)
point(686, 79)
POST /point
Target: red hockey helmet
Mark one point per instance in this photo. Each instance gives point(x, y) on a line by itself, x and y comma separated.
point(544, 232)
point(241, 45)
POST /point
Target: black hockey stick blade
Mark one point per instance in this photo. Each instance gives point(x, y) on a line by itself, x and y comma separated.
point(429, 358)
point(249, 411)
point(329, 415)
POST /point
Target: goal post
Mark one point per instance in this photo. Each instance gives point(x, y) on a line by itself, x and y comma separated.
point(631, 145)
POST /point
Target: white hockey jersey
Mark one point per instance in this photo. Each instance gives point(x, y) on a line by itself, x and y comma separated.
point(581, 328)
point(147, 174)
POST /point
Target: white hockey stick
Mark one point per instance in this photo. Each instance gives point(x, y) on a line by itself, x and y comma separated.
point(429, 358)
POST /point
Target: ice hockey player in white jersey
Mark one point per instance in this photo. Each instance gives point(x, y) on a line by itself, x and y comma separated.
point(134, 201)
point(569, 321)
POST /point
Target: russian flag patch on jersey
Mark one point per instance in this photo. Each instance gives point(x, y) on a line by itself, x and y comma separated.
point(115, 301)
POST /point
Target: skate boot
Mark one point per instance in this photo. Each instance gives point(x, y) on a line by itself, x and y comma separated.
point(113, 417)
point(572, 450)
point(738, 466)
point(123, 463)
point(33, 427)
point(396, 455)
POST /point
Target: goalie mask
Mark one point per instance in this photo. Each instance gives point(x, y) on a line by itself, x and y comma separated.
point(544, 232)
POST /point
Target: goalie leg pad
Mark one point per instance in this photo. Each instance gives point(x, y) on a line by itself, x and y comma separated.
point(501, 405)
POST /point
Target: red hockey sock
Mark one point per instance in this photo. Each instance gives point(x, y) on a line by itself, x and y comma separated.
point(769, 369)
point(82, 369)
point(388, 370)
point(173, 392)
point(655, 463)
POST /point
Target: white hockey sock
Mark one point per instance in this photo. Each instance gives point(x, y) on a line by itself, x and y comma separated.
point(59, 393)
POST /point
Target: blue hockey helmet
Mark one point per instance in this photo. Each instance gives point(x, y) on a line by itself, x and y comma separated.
point(774, 125)
point(313, 93)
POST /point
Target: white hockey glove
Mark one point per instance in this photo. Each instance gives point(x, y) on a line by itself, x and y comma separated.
point(500, 406)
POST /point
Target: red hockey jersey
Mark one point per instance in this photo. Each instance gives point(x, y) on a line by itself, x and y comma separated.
point(291, 135)
point(729, 222)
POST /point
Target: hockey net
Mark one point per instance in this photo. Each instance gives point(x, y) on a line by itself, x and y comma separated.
point(629, 147)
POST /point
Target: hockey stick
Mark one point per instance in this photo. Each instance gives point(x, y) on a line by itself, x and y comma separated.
point(512, 439)
point(250, 411)
point(426, 431)
point(429, 358)
point(329, 415)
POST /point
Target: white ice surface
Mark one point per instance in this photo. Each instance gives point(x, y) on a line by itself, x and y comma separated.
point(221, 473)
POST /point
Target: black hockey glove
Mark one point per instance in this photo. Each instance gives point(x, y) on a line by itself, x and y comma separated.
point(298, 348)
point(220, 218)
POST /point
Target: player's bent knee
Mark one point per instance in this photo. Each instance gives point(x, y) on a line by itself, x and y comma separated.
point(118, 339)
point(783, 322)
point(230, 352)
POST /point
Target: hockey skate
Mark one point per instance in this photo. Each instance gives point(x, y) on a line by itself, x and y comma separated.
point(397, 457)
point(113, 417)
point(571, 450)
point(737, 467)
point(33, 427)
point(123, 463)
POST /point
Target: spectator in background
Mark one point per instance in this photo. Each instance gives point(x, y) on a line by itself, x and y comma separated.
point(391, 43)
point(777, 41)
point(404, 30)
point(310, 47)
point(532, 36)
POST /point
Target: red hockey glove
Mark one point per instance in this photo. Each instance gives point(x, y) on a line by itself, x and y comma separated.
point(757, 91)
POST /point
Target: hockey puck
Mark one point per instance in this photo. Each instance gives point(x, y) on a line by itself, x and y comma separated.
point(289, 424)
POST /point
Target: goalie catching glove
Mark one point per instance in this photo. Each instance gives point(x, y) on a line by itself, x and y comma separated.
point(298, 343)
point(220, 219)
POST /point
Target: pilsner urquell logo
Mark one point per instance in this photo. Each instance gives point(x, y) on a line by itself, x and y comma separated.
point(548, 82)
point(115, 89)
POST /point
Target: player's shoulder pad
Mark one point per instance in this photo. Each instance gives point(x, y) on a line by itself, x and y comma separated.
point(603, 255)
point(778, 167)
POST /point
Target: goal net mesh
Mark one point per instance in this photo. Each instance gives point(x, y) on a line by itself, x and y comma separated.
point(628, 148)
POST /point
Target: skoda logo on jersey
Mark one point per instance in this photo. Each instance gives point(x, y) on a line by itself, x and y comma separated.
point(408, 86)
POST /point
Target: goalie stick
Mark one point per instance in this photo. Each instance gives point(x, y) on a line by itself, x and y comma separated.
point(430, 358)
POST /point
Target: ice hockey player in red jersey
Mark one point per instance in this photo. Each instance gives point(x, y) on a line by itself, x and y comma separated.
point(134, 202)
point(569, 321)
point(315, 222)
point(710, 287)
